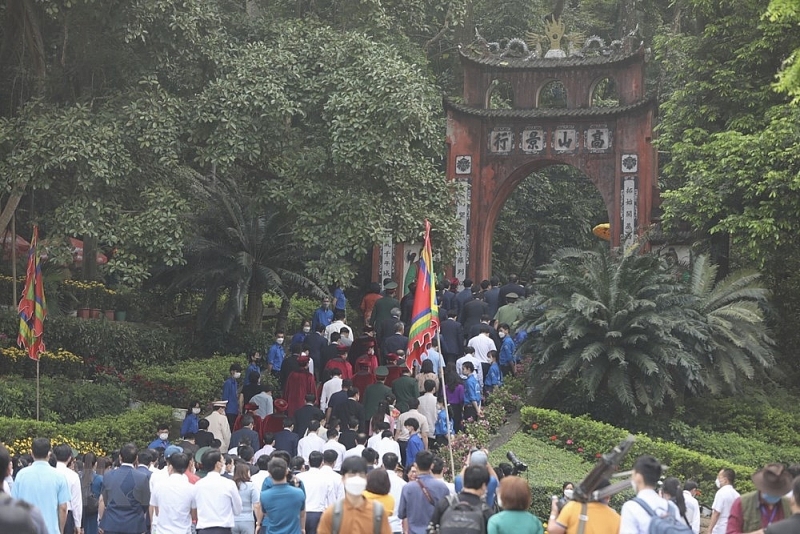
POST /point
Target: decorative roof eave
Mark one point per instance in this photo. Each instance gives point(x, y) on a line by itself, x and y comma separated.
point(573, 62)
point(549, 113)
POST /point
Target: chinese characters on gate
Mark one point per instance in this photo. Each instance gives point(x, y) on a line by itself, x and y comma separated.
point(563, 139)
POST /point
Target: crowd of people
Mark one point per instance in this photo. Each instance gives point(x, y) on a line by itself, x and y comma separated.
point(345, 436)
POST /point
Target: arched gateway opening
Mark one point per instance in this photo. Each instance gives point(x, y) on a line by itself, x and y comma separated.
point(552, 208)
point(604, 134)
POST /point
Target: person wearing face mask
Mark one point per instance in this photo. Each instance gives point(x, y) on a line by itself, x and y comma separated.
point(191, 422)
point(600, 518)
point(470, 500)
point(230, 393)
point(723, 501)
point(759, 509)
point(217, 498)
point(355, 513)
point(218, 424)
point(508, 359)
point(791, 524)
point(567, 488)
point(275, 355)
point(300, 337)
point(163, 438)
point(635, 519)
point(283, 504)
point(322, 315)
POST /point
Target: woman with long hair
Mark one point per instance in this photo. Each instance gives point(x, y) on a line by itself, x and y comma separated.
point(192, 419)
point(426, 373)
point(245, 522)
point(378, 487)
point(454, 391)
point(672, 491)
point(91, 484)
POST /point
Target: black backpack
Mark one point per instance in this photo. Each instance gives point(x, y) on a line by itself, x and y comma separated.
point(462, 518)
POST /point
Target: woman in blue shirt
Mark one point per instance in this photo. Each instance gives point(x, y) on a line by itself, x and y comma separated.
point(494, 378)
point(191, 420)
point(472, 393)
point(300, 337)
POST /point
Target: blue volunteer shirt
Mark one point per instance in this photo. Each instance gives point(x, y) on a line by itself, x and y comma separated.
point(507, 350)
point(472, 390)
point(494, 377)
point(230, 393)
point(275, 356)
point(341, 300)
point(321, 317)
point(415, 446)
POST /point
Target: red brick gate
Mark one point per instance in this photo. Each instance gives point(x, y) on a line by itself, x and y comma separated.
point(490, 151)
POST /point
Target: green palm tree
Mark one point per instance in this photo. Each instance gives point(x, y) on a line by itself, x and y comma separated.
point(243, 248)
point(731, 340)
point(605, 321)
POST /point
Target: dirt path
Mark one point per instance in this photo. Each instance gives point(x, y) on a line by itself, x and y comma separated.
point(512, 426)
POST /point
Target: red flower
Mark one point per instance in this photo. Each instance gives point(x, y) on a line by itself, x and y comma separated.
point(534, 426)
point(580, 449)
point(598, 455)
point(553, 438)
point(569, 442)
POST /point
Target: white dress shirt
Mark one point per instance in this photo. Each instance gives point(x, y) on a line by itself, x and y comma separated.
point(636, 520)
point(329, 388)
point(355, 451)
point(259, 478)
point(723, 502)
point(323, 488)
point(396, 489)
point(309, 444)
point(692, 511)
point(75, 503)
point(402, 433)
point(266, 449)
point(218, 501)
point(388, 445)
point(336, 326)
point(475, 363)
point(175, 499)
point(332, 444)
point(373, 442)
point(482, 344)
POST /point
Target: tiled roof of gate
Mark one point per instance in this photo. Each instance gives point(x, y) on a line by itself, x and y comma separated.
point(548, 113)
point(549, 63)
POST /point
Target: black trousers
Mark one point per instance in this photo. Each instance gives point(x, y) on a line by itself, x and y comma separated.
point(312, 522)
point(69, 526)
point(214, 530)
point(403, 446)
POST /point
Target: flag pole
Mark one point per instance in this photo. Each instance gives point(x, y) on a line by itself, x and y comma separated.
point(37, 389)
point(14, 301)
point(446, 412)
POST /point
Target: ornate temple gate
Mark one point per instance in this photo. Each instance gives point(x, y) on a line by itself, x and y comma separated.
point(490, 151)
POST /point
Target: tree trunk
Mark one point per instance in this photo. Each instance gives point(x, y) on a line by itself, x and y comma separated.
point(255, 309)
point(10, 208)
point(283, 315)
point(89, 257)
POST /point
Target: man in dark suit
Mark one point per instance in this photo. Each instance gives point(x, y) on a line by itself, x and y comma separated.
point(464, 296)
point(125, 496)
point(286, 439)
point(452, 338)
point(396, 341)
point(305, 414)
point(476, 329)
point(316, 342)
point(246, 434)
point(351, 409)
point(329, 352)
point(472, 311)
point(492, 296)
point(511, 287)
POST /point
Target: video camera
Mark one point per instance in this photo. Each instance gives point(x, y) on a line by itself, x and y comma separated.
point(608, 463)
point(519, 466)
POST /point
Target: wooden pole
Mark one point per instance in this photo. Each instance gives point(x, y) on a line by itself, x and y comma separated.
point(14, 295)
point(37, 388)
point(446, 413)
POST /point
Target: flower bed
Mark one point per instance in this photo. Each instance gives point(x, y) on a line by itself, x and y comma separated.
point(60, 362)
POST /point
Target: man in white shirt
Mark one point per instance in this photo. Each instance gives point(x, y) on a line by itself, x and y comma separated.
point(434, 356)
point(264, 401)
point(723, 501)
point(401, 433)
point(634, 518)
point(258, 479)
point(217, 499)
point(427, 407)
point(390, 461)
point(388, 445)
point(469, 356)
point(692, 506)
point(173, 501)
point(482, 344)
point(312, 442)
point(63, 454)
point(323, 488)
point(268, 448)
point(337, 325)
point(333, 445)
point(330, 387)
point(361, 442)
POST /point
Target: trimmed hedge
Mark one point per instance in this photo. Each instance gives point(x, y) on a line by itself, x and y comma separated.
point(62, 401)
point(589, 439)
point(108, 432)
point(111, 343)
point(182, 383)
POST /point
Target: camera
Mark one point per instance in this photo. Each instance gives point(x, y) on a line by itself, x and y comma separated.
point(519, 466)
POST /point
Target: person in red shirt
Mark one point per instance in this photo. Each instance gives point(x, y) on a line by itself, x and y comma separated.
point(299, 383)
point(341, 363)
point(364, 378)
point(767, 505)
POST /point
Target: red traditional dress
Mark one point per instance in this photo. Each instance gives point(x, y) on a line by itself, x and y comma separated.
point(299, 384)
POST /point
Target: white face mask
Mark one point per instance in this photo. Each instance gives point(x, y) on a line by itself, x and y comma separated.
point(237, 375)
point(568, 493)
point(306, 329)
point(279, 341)
point(163, 436)
point(718, 483)
point(501, 334)
point(633, 485)
point(355, 485)
point(195, 410)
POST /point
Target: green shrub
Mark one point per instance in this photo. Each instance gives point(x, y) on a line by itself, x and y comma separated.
point(107, 342)
point(61, 401)
point(590, 439)
point(180, 383)
point(108, 432)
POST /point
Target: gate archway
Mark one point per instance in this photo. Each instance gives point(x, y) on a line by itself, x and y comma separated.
point(490, 151)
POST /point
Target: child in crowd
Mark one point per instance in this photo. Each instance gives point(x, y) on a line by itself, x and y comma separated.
point(494, 378)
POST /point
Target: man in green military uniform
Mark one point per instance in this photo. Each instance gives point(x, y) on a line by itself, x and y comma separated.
point(376, 392)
